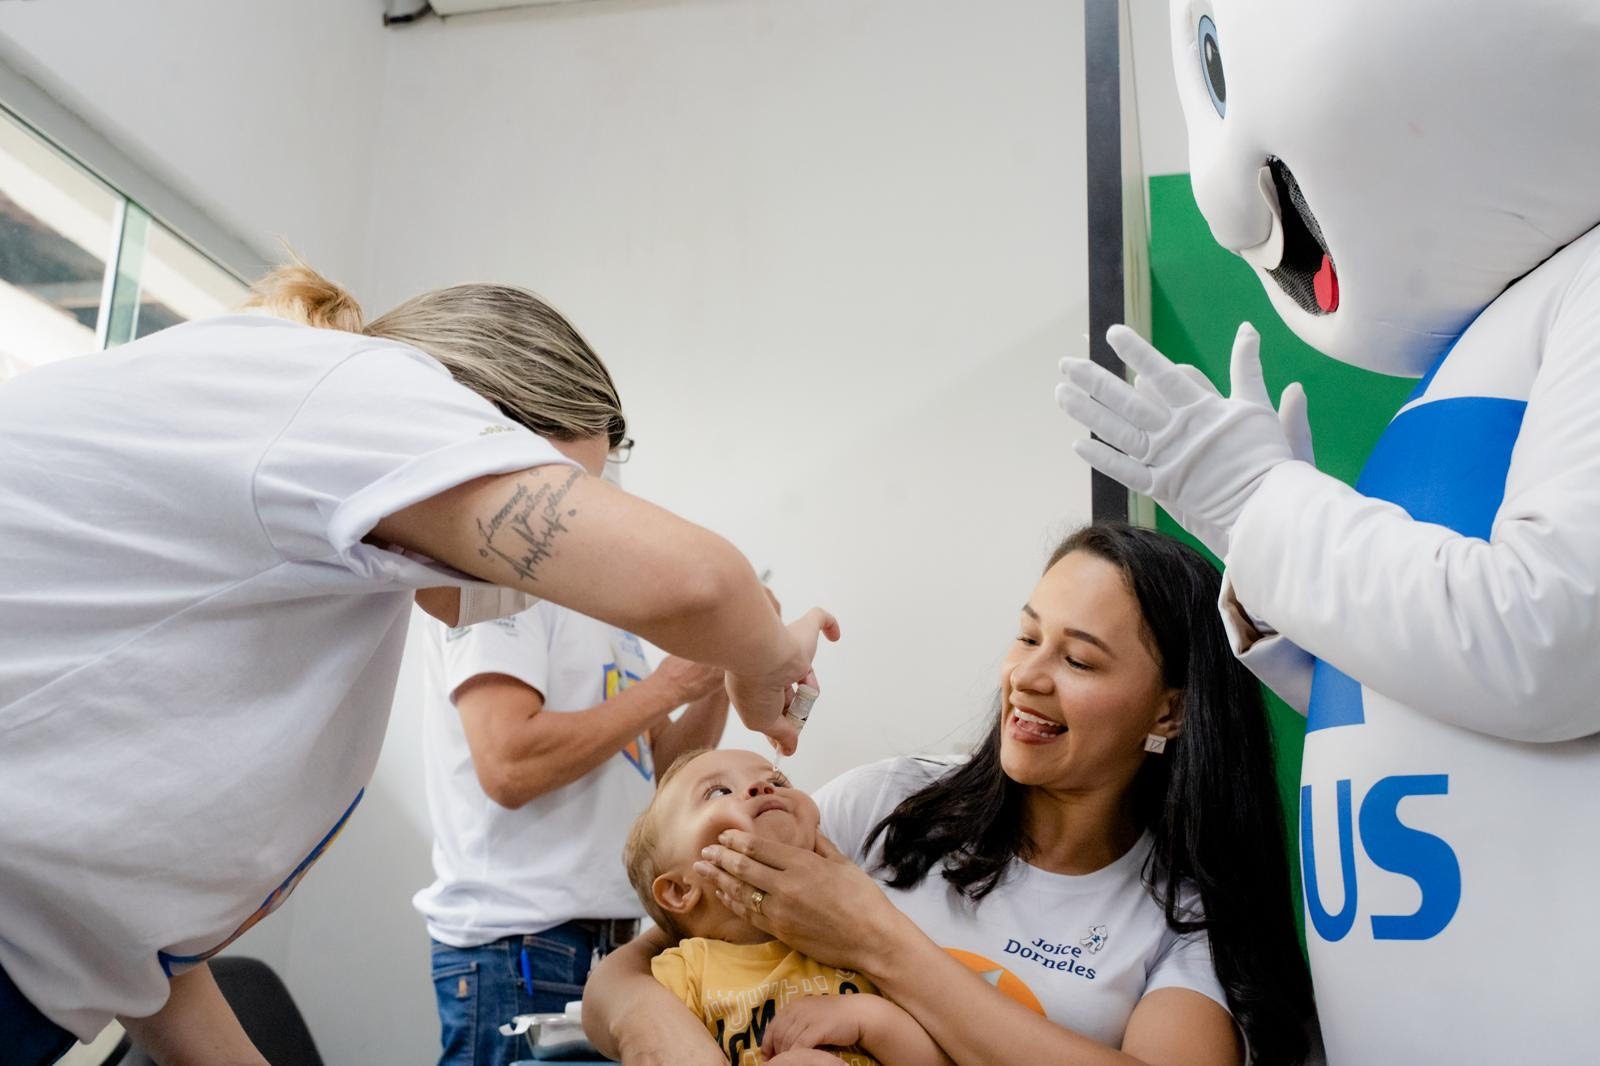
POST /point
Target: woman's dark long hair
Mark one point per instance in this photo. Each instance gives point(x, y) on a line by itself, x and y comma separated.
point(1210, 802)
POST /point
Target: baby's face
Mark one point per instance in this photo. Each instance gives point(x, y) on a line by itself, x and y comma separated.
point(728, 789)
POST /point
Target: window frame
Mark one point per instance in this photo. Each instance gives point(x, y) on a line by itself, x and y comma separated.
point(141, 191)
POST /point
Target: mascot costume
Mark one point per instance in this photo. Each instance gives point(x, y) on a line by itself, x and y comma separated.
point(1417, 185)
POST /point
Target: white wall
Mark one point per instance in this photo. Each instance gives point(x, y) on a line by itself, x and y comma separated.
point(1163, 138)
point(832, 250)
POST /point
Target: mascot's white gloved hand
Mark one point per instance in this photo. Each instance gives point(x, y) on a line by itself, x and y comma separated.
point(1176, 439)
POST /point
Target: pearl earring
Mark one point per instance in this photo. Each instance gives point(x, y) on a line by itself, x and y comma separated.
point(1155, 742)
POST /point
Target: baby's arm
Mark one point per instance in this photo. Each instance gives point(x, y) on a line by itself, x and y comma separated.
point(869, 1022)
point(894, 1037)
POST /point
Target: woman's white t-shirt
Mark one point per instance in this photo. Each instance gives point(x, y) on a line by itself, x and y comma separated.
point(197, 651)
point(558, 857)
point(1082, 950)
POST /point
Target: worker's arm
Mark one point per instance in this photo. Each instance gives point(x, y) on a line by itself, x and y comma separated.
point(558, 534)
point(520, 750)
point(195, 1027)
point(699, 726)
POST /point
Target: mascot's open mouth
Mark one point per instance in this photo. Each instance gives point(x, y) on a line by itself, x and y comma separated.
point(1306, 271)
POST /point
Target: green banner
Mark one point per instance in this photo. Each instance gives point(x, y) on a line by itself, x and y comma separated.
point(1200, 292)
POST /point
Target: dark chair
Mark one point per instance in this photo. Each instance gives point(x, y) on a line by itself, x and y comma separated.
point(264, 1008)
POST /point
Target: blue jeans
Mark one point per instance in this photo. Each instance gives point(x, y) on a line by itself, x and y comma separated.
point(480, 989)
point(27, 1037)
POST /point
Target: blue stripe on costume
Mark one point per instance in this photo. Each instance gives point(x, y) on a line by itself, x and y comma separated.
point(1443, 462)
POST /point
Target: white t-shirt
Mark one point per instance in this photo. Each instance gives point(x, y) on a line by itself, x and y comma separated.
point(501, 872)
point(197, 652)
point(1080, 949)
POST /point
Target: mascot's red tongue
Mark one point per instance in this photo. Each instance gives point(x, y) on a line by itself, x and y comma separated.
point(1327, 286)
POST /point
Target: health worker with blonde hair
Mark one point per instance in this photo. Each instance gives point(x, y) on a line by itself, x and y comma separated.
point(209, 547)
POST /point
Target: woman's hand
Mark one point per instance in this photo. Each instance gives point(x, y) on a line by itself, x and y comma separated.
point(630, 1016)
point(817, 902)
point(761, 699)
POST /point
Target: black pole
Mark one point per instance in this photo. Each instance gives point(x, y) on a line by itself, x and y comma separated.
point(1103, 84)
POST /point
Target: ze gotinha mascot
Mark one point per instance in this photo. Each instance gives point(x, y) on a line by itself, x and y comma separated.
point(1417, 185)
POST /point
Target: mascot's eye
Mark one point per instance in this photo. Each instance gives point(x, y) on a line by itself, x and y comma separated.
point(1211, 65)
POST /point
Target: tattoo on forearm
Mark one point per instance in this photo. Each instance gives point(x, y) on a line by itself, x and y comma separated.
point(523, 532)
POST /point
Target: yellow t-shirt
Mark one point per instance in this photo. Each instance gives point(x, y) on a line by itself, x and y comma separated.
point(736, 989)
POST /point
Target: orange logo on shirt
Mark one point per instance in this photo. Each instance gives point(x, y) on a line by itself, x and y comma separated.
point(1009, 984)
point(637, 752)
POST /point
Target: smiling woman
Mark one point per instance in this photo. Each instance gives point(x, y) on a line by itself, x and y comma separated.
point(1101, 881)
point(1156, 762)
point(1099, 693)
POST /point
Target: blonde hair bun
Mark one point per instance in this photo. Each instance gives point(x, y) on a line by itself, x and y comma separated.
point(298, 293)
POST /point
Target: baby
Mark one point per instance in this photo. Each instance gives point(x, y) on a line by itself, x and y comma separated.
point(734, 976)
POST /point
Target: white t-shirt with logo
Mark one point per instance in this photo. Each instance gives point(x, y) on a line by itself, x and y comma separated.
point(558, 857)
point(197, 651)
point(1080, 949)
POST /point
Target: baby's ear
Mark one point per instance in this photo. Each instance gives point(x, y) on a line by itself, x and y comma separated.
point(674, 894)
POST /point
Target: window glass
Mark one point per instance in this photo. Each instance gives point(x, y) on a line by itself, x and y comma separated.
point(60, 227)
point(162, 280)
point(57, 228)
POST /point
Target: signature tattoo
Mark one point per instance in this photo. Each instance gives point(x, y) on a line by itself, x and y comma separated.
point(523, 532)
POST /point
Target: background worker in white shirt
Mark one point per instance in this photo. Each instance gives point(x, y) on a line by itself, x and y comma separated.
point(541, 734)
point(209, 546)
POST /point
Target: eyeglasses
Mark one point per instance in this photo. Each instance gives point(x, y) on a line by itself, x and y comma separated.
point(621, 452)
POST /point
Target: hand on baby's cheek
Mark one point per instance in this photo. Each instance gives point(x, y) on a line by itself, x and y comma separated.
point(725, 790)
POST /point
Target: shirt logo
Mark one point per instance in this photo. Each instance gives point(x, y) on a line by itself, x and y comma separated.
point(1095, 940)
point(1063, 957)
point(1007, 983)
point(637, 752)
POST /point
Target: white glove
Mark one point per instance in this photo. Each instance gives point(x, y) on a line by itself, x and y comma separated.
point(1296, 428)
point(1176, 439)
